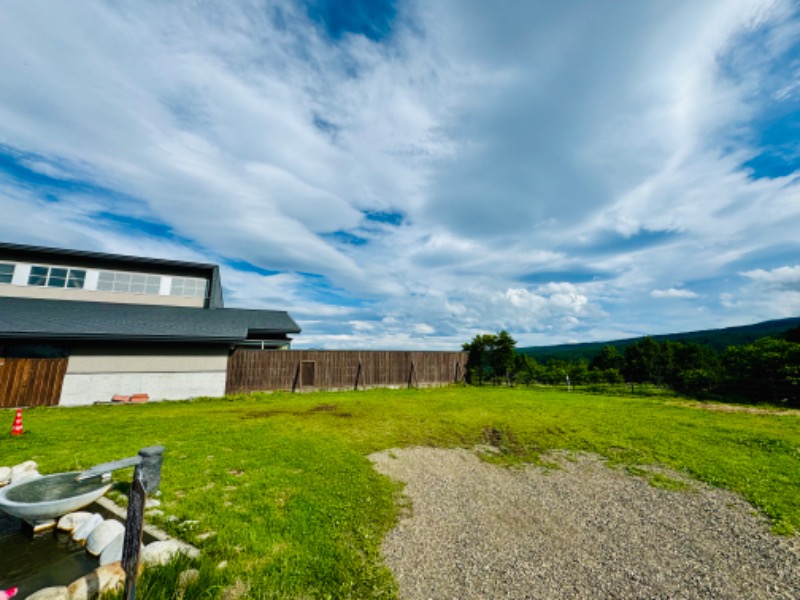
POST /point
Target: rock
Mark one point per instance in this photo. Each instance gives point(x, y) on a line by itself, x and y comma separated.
point(152, 503)
point(187, 578)
point(71, 521)
point(113, 551)
point(100, 581)
point(51, 593)
point(204, 536)
point(24, 471)
point(42, 525)
point(155, 513)
point(161, 553)
point(103, 535)
point(222, 564)
point(235, 591)
point(5, 476)
point(82, 533)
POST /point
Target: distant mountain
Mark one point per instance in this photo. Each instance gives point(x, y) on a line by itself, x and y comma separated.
point(719, 339)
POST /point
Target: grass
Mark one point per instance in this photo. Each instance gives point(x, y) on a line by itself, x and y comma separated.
point(279, 486)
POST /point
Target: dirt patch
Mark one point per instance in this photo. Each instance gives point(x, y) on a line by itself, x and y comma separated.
point(322, 408)
point(263, 414)
point(733, 408)
point(504, 441)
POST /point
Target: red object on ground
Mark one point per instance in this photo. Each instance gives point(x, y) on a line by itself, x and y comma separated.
point(140, 398)
point(16, 429)
point(120, 398)
point(9, 593)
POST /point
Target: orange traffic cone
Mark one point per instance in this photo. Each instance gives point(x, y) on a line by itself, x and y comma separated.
point(16, 429)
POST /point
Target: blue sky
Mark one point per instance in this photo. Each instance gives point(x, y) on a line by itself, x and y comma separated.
point(407, 174)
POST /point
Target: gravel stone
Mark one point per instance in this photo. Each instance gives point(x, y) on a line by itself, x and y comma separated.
point(583, 530)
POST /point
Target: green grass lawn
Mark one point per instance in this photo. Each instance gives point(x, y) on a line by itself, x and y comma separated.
point(283, 485)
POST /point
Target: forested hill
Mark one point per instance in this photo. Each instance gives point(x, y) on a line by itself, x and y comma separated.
point(719, 339)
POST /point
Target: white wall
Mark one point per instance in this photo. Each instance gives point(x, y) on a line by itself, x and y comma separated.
point(82, 389)
point(95, 374)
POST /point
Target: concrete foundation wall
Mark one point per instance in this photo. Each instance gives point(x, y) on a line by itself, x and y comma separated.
point(87, 388)
point(95, 373)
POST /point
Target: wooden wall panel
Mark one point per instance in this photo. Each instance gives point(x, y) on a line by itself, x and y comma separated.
point(31, 381)
point(304, 370)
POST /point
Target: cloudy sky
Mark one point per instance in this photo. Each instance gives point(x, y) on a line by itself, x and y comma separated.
point(408, 174)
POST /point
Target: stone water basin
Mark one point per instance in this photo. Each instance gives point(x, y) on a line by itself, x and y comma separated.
point(50, 496)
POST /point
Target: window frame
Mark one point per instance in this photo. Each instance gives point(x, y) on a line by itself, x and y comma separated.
point(56, 277)
point(10, 274)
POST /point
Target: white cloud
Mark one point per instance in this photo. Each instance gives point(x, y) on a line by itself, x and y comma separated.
point(782, 278)
point(531, 149)
point(673, 293)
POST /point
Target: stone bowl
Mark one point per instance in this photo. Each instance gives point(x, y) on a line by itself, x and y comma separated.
point(50, 496)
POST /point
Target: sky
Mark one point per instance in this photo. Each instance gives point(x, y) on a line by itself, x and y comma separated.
point(408, 174)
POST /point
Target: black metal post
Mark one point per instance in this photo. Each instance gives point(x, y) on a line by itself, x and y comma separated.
point(152, 459)
point(133, 534)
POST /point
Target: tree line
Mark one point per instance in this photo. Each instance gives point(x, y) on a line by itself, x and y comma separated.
point(767, 370)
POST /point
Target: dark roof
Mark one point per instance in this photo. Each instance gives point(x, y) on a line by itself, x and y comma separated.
point(34, 319)
point(100, 260)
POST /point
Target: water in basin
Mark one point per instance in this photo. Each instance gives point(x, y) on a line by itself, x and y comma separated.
point(32, 562)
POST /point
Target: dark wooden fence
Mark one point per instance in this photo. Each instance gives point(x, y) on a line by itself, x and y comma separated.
point(31, 381)
point(305, 370)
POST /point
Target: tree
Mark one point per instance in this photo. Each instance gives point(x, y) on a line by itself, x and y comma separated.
point(609, 358)
point(793, 335)
point(766, 370)
point(501, 355)
point(526, 369)
point(693, 368)
point(644, 362)
point(491, 356)
point(478, 358)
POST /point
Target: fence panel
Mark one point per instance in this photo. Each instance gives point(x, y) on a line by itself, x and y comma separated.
point(305, 370)
point(31, 381)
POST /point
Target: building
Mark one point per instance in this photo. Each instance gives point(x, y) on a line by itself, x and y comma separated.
point(80, 327)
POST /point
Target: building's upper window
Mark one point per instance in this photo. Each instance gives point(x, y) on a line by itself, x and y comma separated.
point(188, 286)
point(57, 277)
point(6, 272)
point(136, 283)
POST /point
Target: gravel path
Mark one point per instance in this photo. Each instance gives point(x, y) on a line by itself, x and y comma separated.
point(585, 530)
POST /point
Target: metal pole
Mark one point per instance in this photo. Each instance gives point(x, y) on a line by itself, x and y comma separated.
point(133, 534)
point(152, 459)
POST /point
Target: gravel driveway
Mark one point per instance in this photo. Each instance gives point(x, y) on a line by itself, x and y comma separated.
point(585, 530)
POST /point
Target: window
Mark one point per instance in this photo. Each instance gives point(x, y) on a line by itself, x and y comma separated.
point(38, 276)
point(188, 286)
point(6, 272)
point(56, 277)
point(136, 283)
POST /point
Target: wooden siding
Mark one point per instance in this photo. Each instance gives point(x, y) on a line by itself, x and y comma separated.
point(305, 370)
point(31, 381)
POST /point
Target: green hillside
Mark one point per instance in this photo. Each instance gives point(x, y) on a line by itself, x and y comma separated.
point(719, 339)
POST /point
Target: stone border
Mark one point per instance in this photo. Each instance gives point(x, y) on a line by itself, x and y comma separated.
point(101, 538)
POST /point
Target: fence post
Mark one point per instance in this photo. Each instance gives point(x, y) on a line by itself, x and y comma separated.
point(296, 377)
point(358, 374)
point(133, 534)
point(412, 373)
